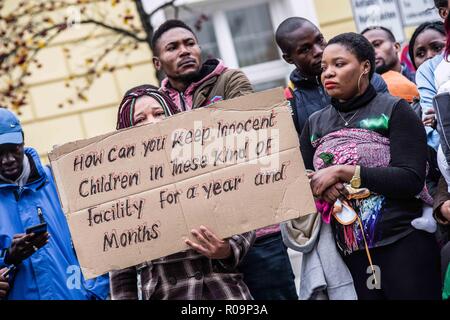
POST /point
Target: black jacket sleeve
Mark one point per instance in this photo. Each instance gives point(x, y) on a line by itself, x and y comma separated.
point(306, 148)
point(405, 176)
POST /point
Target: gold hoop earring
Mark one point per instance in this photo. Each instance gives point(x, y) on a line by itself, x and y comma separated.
point(359, 83)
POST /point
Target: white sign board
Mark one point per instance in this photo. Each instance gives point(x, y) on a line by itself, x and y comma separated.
point(368, 13)
point(415, 12)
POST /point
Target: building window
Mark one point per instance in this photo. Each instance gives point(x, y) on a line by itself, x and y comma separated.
point(269, 85)
point(253, 36)
point(242, 34)
point(206, 38)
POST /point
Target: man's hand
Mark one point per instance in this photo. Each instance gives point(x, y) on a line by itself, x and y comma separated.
point(24, 245)
point(209, 244)
point(430, 119)
point(445, 210)
point(4, 285)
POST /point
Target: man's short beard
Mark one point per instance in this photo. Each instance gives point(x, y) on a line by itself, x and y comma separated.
point(385, 68)
point(188, 77)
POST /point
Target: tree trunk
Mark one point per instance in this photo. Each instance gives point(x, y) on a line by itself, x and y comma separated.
point(145, 20)
point(149, 29)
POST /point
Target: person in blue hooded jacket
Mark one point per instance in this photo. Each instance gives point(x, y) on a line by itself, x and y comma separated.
point(302, 45)
point(42, 266)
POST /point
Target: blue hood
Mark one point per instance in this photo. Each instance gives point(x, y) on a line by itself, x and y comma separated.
point(53, 271)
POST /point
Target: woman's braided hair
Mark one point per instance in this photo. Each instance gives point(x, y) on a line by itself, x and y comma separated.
point(125, 115)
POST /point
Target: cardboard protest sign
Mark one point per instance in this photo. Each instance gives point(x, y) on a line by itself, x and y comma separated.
point(134, 195)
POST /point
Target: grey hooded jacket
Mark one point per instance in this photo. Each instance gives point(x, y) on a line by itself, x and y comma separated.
point(323, 272)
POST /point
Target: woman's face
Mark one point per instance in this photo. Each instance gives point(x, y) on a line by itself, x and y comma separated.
point(428, 44)
point(147, 110)
point(341, 71)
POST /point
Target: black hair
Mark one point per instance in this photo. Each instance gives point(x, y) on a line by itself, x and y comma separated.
point(166, 26)
point(435, 25)
point(389, 32)
point(285, 28)
point(440, 3)
point(358, 45)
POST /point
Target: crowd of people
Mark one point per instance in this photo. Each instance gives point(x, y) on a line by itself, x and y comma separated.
point(373, 131)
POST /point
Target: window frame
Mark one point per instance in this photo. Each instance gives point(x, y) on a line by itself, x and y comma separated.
point(257, 73)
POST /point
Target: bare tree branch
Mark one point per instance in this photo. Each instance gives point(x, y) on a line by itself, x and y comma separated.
point(115, 29)
point(62, 26)
point(31, 26)
point(161, 7)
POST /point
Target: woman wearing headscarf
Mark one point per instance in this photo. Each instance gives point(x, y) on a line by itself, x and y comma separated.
point(207, 271)
point(369, 153)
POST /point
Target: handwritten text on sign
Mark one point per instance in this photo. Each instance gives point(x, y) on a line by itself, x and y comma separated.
point(134, 195)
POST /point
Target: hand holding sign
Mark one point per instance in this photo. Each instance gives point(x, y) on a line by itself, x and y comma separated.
point(209, 244)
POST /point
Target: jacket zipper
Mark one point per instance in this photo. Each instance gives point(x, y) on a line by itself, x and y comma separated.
point(183, 102)
point(18, 193)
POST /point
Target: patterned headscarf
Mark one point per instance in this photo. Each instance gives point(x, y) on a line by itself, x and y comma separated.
point(125, 114)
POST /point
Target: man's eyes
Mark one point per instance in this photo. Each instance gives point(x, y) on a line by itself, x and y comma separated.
point(304, 50)
point(377, 44)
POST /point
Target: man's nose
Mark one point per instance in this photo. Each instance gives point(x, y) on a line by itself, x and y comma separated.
point(318, 51)
point(6, 158)
point(184, 50)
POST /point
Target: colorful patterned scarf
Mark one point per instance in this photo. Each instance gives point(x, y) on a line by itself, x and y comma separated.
point(356, 147)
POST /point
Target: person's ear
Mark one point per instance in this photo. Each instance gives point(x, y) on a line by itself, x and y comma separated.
point(366, 68)
point(288, 58)
point(443, 12)
point(157, 63)
point(398, 47)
